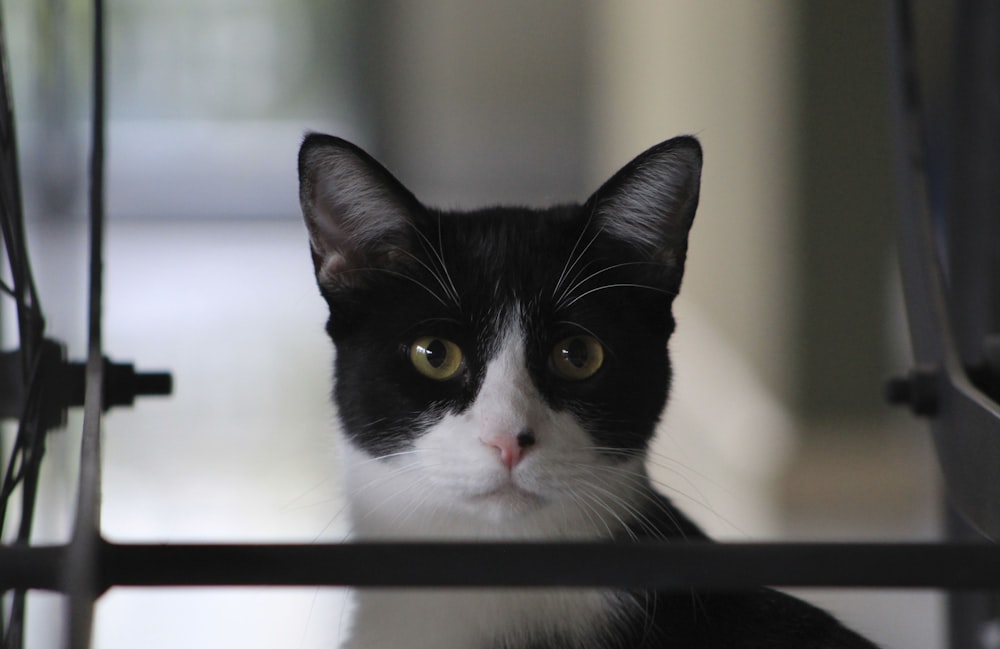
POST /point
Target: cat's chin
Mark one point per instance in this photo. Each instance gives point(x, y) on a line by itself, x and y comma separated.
point(508, 501)
point(509, 493)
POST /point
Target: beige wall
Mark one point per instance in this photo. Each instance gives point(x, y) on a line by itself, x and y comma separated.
point(721, 71)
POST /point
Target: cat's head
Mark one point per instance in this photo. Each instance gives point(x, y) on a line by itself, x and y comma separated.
point(505, 368)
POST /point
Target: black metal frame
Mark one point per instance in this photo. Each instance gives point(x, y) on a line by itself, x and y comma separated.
point(943, 384)
point(653, 565)
point(966, 422)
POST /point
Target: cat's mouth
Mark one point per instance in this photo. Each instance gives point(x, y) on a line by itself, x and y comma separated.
point(509, 494)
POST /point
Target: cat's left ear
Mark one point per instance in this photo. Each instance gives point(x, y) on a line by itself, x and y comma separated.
point(358, 215)
point(650, 203)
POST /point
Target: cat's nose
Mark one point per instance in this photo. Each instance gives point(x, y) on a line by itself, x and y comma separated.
point(511, 447)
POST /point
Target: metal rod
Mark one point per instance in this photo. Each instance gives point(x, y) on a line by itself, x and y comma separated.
point(624, 565)
point(651, 565)
point(23, 567)
point(82, 569)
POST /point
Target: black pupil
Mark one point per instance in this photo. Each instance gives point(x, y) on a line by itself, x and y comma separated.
point(435, 353)
point(576, 352)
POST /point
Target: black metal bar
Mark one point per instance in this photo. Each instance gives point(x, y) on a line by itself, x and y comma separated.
point(620, 565)
point(641, 565)
point(23, 567)
point(973, 228)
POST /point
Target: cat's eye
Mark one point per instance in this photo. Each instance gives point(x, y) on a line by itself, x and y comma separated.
point(577, 357)
point(436, 358)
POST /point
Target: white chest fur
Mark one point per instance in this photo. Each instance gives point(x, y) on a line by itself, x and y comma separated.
point(464, 619)
point(452, 484)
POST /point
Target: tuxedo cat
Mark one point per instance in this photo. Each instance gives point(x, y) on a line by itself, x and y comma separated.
point(499, 374)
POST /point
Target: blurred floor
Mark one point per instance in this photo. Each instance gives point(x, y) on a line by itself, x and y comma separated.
point(243, 450)
point(871, 485)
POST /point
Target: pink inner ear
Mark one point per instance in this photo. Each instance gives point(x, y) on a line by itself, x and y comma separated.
point(325, 232)
point(333, 264)
point(349, 200)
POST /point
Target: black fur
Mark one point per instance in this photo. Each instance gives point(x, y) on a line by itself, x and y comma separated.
point(757, 619)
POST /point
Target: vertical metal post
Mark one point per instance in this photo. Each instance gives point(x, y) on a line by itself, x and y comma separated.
point(973, 224)
point(83, 566)
point(972, 231)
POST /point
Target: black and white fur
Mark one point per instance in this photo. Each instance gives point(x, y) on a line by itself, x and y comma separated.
point(507, 447)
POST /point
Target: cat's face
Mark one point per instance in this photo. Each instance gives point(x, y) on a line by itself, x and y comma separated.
point(499, 371)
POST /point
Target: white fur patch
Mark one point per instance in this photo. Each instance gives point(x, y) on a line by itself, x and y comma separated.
point(452, 485)
point(464, 619)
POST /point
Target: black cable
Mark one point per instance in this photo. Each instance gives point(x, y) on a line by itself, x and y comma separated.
point(24, 462)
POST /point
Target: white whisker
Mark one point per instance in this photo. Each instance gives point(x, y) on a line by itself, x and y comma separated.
point(444, 266)
point(572, 261)
point(592, 514)
point(437, 255)
point(621, 285)
point(292, 505)
point(396, 274)
point(698, 498)
point(580, 283)
point(595, 498)
point(449, 293)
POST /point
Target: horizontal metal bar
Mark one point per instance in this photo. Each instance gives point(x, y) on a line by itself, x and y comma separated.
point(620, 565)
point(32, 567)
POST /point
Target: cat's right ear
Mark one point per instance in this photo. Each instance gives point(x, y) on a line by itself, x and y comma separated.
point(650, 203)
point(358, 215)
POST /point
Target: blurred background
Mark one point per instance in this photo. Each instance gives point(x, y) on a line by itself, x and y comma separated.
point(789, 321)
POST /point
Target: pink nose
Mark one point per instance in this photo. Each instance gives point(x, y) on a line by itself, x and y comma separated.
point(511, 447)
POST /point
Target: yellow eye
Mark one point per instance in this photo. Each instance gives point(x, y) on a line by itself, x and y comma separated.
point(436, 358)
point(577, 358)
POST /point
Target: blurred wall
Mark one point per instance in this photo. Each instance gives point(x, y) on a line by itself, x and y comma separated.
point(721, 71)
point(481, 102)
